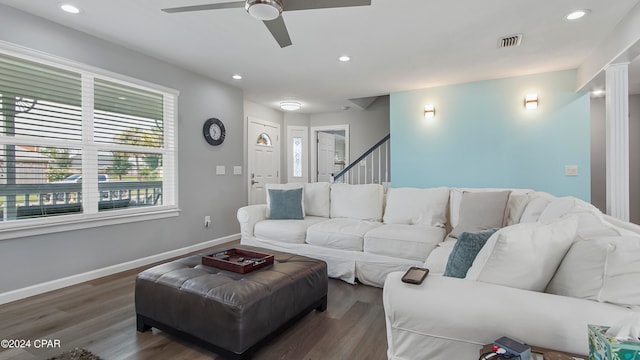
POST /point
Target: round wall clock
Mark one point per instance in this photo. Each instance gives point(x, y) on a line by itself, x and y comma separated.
point(214, 131)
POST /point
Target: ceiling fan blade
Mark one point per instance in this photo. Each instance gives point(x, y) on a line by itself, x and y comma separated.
point(279, 31)
point(291, 5)
point(229, 5)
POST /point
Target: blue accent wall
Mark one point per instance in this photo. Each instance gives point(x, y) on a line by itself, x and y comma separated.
point(482, 136)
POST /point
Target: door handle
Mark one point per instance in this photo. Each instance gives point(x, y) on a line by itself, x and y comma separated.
point(253, 182)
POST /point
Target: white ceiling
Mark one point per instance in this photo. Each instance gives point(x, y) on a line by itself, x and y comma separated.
point(395, 45)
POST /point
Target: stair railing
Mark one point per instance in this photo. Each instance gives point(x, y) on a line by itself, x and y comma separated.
point(372, 167)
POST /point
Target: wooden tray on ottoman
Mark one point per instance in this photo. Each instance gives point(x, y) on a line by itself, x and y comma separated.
point(240, 261)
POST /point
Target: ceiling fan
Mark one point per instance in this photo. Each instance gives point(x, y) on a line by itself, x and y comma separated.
point(269, 11)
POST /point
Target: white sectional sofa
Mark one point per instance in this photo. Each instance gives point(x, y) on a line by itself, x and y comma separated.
point(596, 282)
point(362, 232)
point(556, 265)
point(358, 230)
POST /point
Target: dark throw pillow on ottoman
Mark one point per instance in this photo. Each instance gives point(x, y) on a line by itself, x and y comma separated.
point(465, 251)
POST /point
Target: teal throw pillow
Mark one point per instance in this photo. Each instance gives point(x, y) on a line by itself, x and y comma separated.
point(285, 204)
point(465, 251)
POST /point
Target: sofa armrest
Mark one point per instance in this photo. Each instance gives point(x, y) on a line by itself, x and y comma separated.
point(248, 216)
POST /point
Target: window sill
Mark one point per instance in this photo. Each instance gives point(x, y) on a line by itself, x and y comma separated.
point(50, 225)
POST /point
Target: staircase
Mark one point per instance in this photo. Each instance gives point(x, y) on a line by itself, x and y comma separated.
point(372, 167)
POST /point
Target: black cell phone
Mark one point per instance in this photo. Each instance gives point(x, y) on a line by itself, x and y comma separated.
point(415, 275)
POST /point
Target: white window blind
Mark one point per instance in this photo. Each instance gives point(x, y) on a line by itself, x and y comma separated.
point(75, 144)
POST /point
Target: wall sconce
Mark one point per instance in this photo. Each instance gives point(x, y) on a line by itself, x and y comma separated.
point(429, 111)
point(531, 102)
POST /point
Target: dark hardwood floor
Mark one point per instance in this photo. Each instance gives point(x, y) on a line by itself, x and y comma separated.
point(99, 316)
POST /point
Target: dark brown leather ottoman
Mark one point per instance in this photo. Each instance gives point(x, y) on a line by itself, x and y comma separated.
point(229, 313)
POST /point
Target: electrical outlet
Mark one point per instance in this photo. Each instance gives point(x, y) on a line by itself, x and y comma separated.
point(571, 170)
point(207, 221)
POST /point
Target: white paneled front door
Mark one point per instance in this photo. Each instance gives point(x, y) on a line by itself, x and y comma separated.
point(264, 158)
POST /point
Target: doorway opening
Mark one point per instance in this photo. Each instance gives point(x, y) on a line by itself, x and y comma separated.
point(330, 154)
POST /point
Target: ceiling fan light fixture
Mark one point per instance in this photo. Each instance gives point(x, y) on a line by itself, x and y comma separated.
point(264, 9)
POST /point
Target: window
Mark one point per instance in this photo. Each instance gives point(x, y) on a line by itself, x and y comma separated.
point(78, 144)
point(297, 157)
point(264, 140)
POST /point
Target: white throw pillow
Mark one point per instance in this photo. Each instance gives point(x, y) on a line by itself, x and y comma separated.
point(605, 269)
point(316, 199)
point(524, 256)
point(581, 272)
point(515, 208)
point(288, 186)
point(591, 222)
point(536, 205)
point(557, 208)
point(415, 206)
point(362, 201)
point(456, 198)
point(481, 210)
point(622, 273)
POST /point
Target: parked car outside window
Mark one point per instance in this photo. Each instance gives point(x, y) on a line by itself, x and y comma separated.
point(77, 178)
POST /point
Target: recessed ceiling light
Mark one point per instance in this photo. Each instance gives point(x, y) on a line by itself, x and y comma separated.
point(344, 58)
point(70, 9)
point(290, 105)
point(237, 77)
point(578, 14)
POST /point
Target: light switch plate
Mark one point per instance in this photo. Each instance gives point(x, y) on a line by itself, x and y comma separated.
point(571, 170)
point(237, 170)
point(221, 170)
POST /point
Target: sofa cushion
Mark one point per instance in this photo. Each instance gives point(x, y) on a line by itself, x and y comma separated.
point(481, 211)
point(413, 242)
point(438, 258)
point(347, 234)
point(316, 199)
point(605, 269)
point(417, 206)
point(465, 251)
point(289, 231)
point(362, 201)
point(288, 186)
point(285, 204)
point(524, 256)
point(514, 207)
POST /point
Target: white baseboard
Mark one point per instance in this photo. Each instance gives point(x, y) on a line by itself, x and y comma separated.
point(32, 290)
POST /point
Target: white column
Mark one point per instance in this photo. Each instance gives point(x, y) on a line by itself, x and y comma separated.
point(617, 133)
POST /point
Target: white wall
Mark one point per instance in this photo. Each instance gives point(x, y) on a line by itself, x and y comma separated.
point(32, 260)
point(366, 127)
point(262, 112)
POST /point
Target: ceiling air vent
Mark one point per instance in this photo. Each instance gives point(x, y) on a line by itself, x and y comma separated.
point(509, 41)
